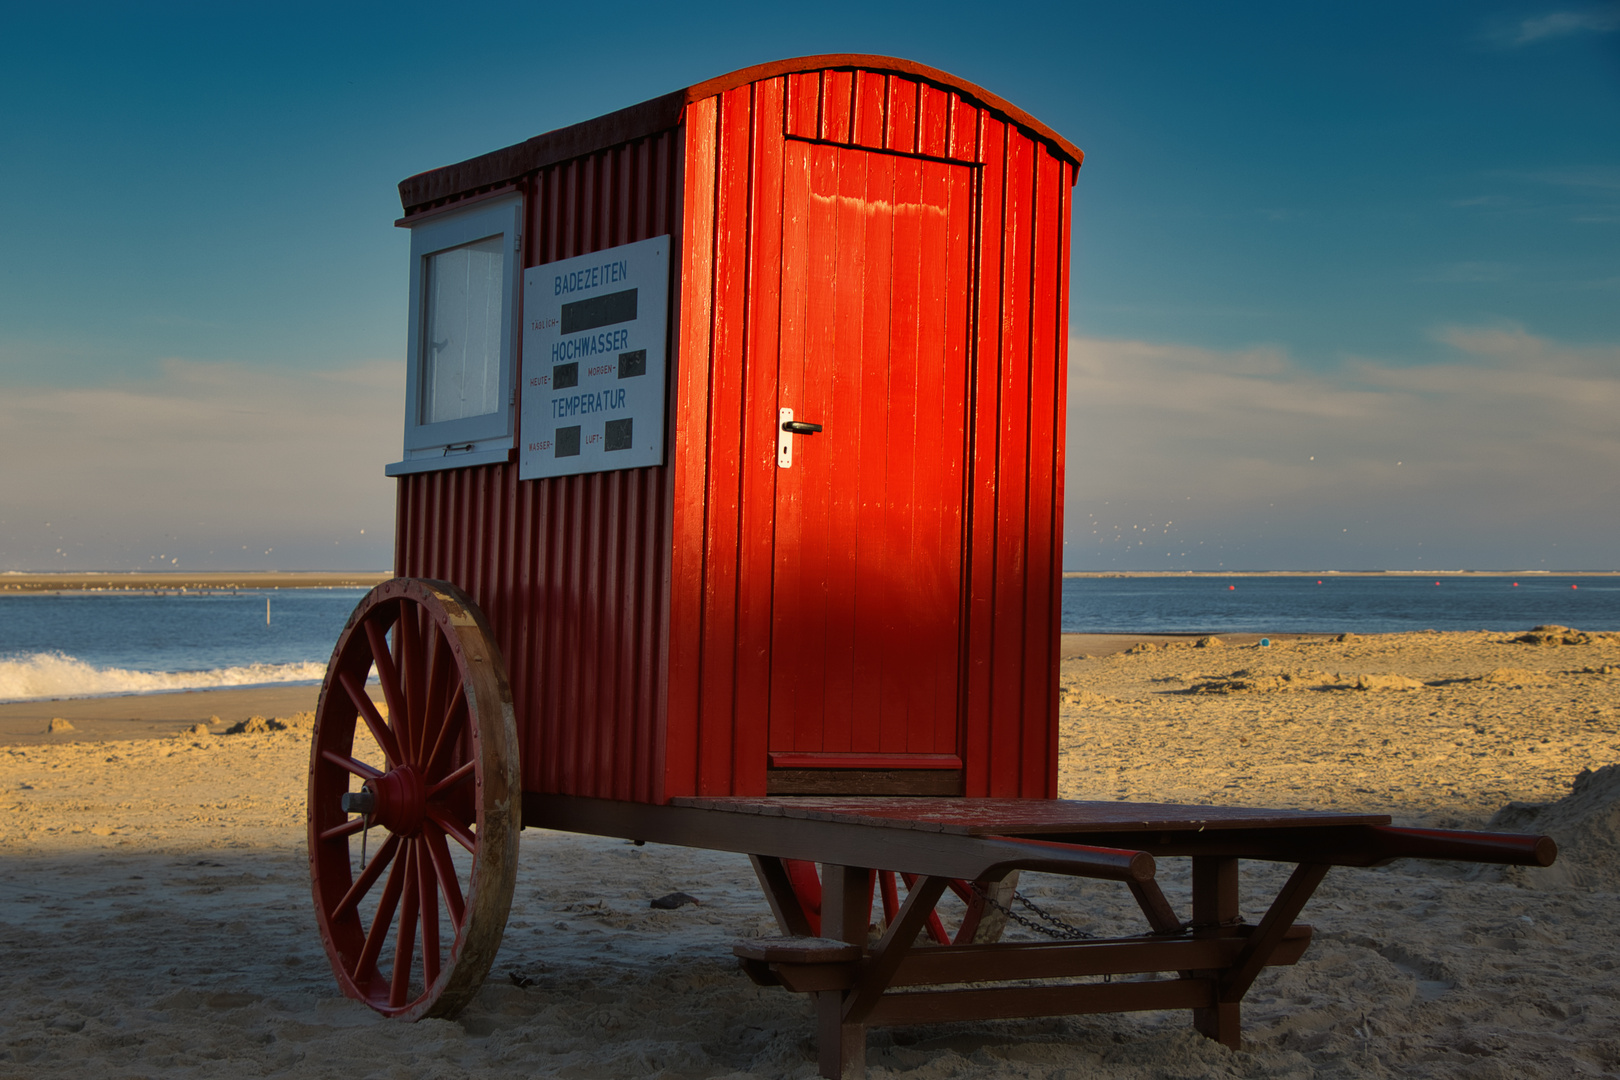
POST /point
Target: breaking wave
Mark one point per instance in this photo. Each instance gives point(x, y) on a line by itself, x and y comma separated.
point(57, 675)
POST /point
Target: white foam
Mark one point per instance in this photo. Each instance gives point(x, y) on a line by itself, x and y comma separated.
point(57, 675)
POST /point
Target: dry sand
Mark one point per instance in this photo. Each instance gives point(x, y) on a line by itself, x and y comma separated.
point(157, 919)
point(146, 716)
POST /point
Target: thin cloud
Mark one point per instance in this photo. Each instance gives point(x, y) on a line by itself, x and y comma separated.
point(1560, 24)
point(208, 462)
point(1475, 461)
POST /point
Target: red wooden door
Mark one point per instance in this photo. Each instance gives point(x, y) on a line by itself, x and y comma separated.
point(867, 577)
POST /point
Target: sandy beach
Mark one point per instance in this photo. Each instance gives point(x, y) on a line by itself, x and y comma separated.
point(157, 919)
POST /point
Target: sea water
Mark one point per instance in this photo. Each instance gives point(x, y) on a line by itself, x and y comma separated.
point(95, 643)
point(1334, 603)
point(75, 644)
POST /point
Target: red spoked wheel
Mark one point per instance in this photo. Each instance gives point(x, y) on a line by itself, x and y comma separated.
point(978, 921)
point(413, 827)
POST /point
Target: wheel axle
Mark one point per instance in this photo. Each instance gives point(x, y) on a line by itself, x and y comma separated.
point(363, 801)
point(397, 799)
point(400, 798)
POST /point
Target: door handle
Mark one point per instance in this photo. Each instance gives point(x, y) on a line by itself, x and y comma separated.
point(784, 438)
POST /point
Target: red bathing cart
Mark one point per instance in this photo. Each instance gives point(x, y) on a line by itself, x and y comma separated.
point(730, 516)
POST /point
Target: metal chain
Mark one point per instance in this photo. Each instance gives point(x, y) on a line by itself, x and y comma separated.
point(1059, 929)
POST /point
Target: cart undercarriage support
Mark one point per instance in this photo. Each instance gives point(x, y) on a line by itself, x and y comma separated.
point(1205, 964)
point(858, 985)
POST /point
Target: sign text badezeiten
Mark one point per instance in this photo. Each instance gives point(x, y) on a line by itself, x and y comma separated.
point(594, 331)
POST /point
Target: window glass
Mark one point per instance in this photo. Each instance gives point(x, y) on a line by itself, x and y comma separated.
point(461, 348)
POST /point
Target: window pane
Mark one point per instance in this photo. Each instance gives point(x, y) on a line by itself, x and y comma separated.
point(461, 350)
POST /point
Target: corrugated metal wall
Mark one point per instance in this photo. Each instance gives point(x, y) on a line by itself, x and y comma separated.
point(572, 571)
point(724, 454)
point(634, 607)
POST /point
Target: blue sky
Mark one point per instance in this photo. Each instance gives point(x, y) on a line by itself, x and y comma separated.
point(1346, 276)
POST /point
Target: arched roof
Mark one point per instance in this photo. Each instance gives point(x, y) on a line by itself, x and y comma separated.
point(665, 112)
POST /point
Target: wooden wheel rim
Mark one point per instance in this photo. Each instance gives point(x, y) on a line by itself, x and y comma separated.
point(413, 934)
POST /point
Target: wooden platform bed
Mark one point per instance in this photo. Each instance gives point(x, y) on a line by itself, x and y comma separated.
point(1204, 960)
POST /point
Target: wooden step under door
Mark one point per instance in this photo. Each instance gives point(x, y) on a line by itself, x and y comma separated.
point(867, 578)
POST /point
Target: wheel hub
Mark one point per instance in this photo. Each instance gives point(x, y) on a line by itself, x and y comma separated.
point(399, 800)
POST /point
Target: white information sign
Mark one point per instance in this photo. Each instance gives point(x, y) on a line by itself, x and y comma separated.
point(594, 334)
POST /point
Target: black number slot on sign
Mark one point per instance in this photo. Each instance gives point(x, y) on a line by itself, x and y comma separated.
point(599, 311)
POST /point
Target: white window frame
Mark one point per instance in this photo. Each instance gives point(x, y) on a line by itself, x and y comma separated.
point(472, 440)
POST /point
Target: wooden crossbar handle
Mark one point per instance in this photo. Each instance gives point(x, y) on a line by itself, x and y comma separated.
point(1511, 849)
point(1075, 860)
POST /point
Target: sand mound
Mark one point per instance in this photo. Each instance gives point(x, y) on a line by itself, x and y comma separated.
point(259, 725)
point(1249, 682)
point(1586, 824)
point(1553, 634)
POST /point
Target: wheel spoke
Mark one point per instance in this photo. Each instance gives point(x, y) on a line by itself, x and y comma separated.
point(412, 684)
point(427, 890)
point(368, 877)
point(377, 936)
point(455, 831)
point(891, 895)
point(348, 828)
point(405, 940)
point(454, 714)
point(400, 719)
point(968, 929)
point(348, 764)
point(388, 676)
point(454, 778)
point(807, 887)
point(374, 720)
point(433, 836)
point(433, 703)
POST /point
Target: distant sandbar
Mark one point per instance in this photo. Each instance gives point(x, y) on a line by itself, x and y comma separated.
point(176, 582)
